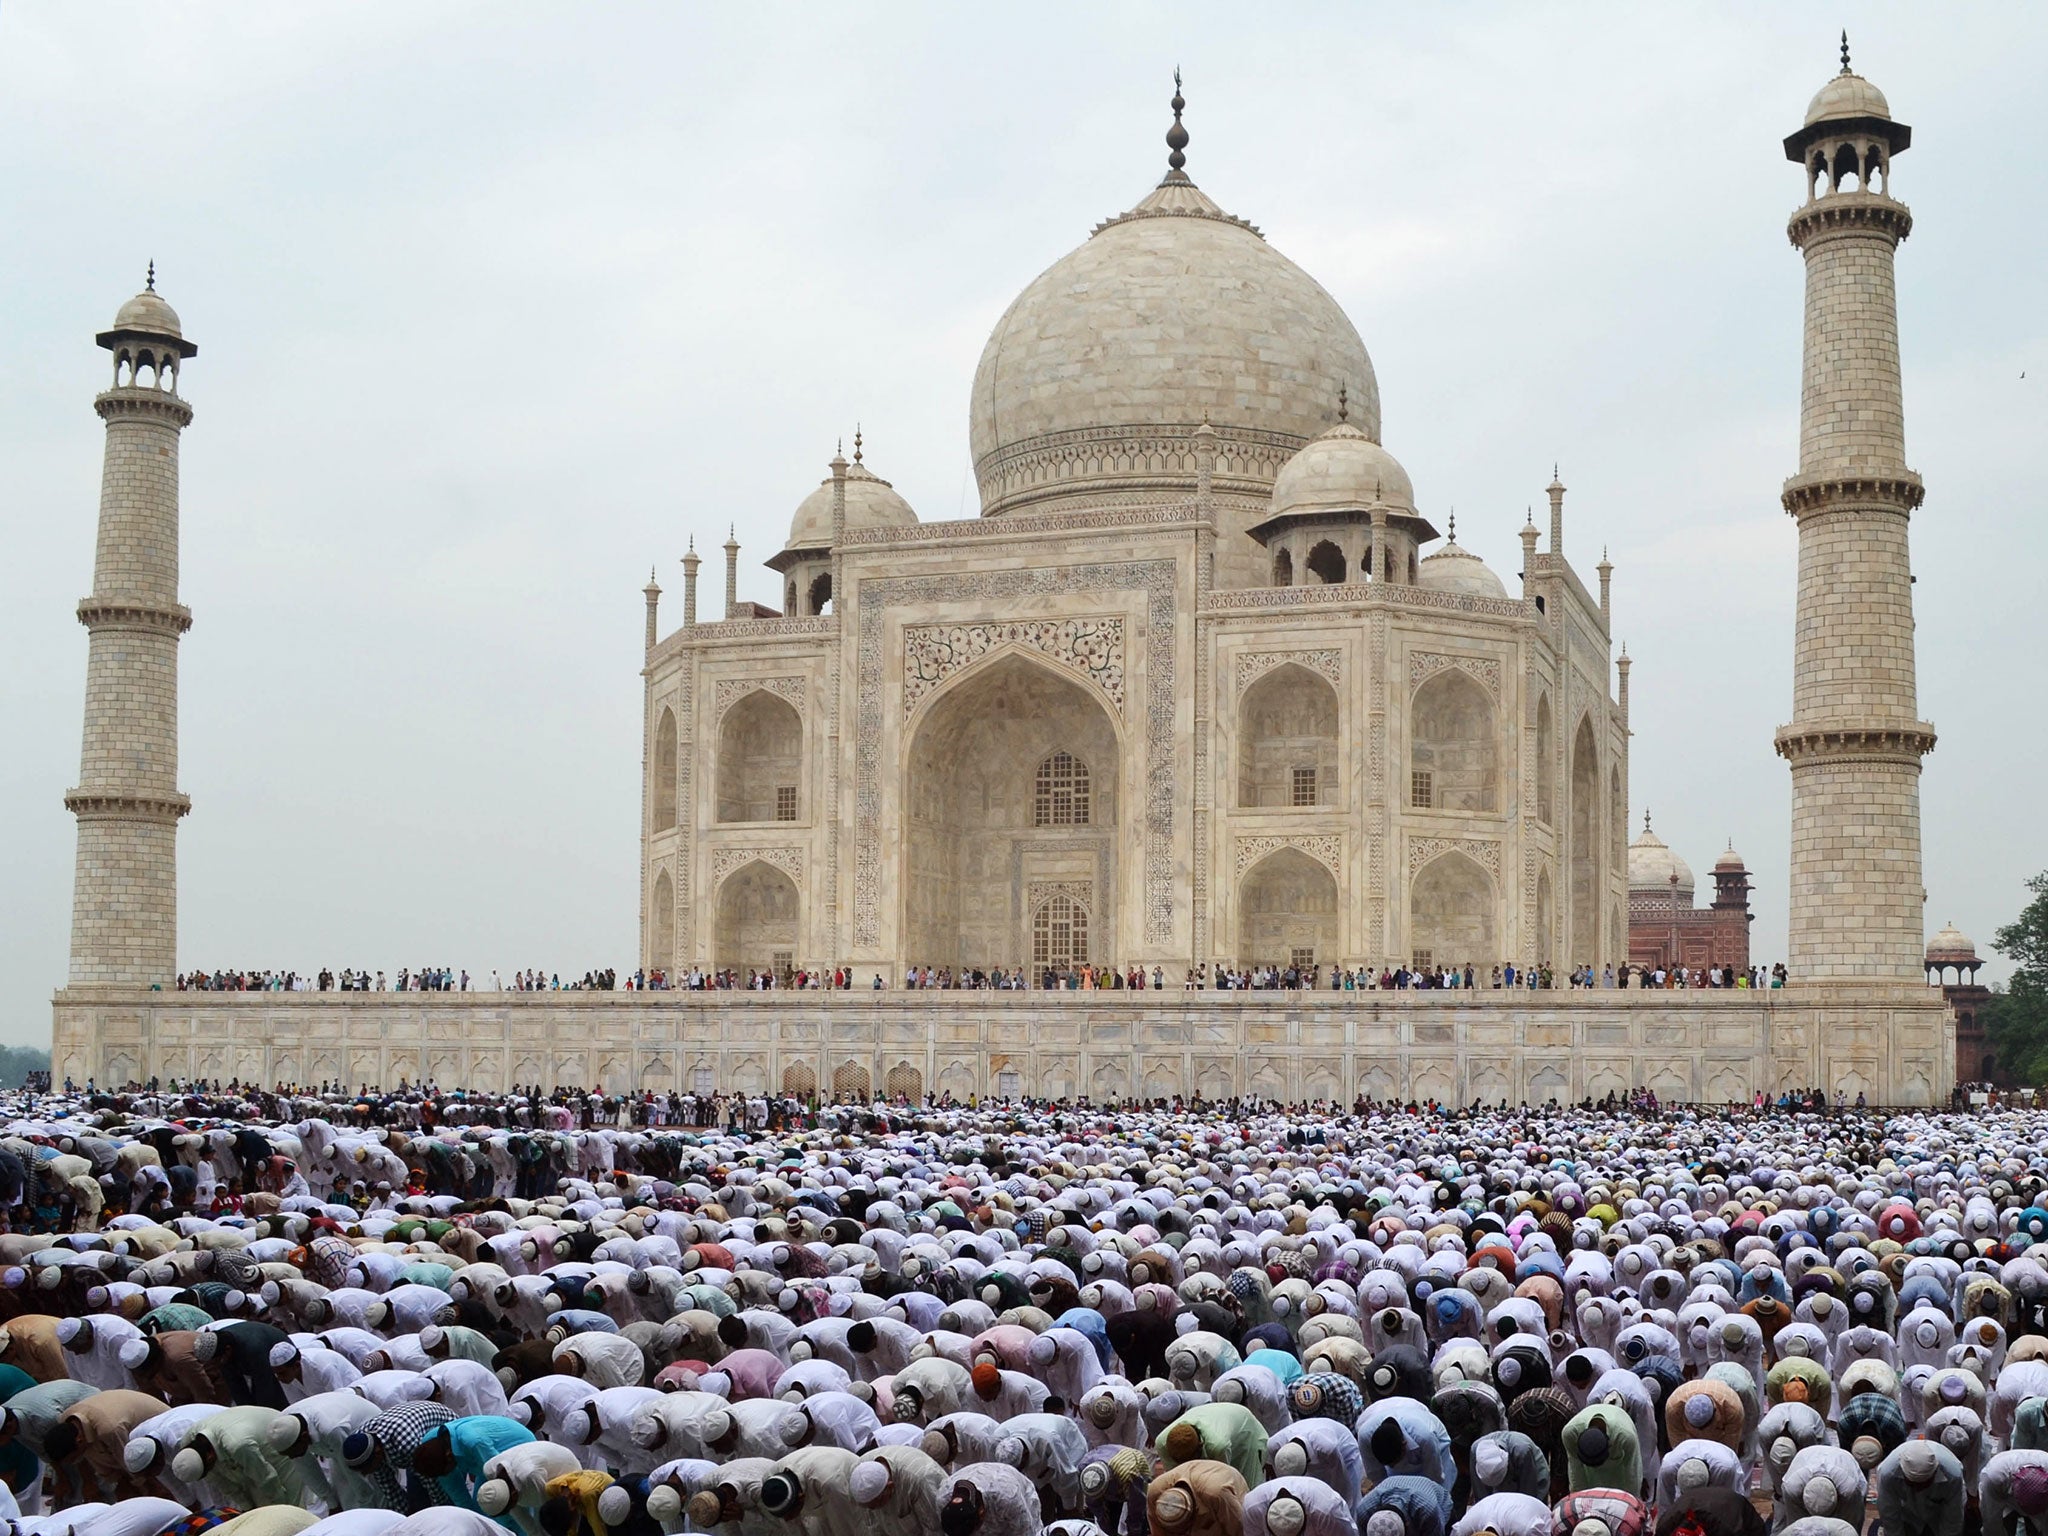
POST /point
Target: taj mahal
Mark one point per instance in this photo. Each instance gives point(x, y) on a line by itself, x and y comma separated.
point(1208, 683)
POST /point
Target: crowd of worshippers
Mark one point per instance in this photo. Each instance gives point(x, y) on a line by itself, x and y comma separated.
point(1007, 1322)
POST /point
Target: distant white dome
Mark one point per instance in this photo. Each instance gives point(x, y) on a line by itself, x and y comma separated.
point(1951, 946)
point(148, 312)
point(1651, 865)
point(1847, 96)
point(1455, 568)
point(1343, 470)
point(871, 502)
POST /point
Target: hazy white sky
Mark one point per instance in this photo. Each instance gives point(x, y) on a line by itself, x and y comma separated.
point(498, 304)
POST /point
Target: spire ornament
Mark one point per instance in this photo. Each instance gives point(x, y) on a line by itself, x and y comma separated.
point(1343, 402)
point(856, 442)
point(150, 285)
point(1452, 536)
point(1845, 52)
point(1176, 136)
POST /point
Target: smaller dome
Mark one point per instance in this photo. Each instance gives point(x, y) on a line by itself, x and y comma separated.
point(1341, 471)
point(1455, 568)
point(148, 312)
point(1651, 865)
point(1847, 96)
point(1951, 946)
point(1730, 860)
point(871, 502)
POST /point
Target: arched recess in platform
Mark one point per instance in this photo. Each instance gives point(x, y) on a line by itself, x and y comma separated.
point(1287, 740)
point(1451, 914)
point(1587, 834)
point(760, 760)
point(799, 1080)
point(1287, 911)
point(1454, 746)
point(851, 1084)
point(758, 908)
point(993, 804)
point(903, 1081)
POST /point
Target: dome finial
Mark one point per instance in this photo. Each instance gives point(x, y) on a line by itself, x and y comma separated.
point(150, 285)
point(1453, 536)
point(1343, 402)
point(856, 442)
point(1845, 51)
point(1176, 136)
point(1646, 818)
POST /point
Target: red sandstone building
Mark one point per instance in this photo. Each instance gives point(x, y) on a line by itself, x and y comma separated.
point(1665, 928)
point(1952, 965)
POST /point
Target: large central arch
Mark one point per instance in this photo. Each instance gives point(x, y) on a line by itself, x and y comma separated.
point(1012, 783)
point(1586, 835)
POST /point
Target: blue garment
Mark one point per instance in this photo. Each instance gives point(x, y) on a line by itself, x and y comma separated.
point(474, 1441)
point(1279, 1362)
point(1402, 1439)
point(1091, 1325)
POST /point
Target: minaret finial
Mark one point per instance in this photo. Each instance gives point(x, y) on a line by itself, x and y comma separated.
point(1845, 51)
point(1646, 818)
point(150, 286)
point(1453, 536)
point(1176, 136)
point(1343, 402)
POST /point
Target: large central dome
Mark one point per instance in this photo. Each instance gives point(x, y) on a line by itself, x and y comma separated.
point(1175, 312)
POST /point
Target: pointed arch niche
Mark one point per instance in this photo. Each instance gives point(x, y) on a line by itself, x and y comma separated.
point(1287, 740)
point(1451, 919)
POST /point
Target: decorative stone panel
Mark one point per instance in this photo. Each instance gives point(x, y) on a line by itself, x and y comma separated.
point(1094, 648)
point(1423, 665)
point(1325, 849)
point(1081, 892)
point(1485, 854)
point(730, 691)
point(1253, 665)
point(725, 860)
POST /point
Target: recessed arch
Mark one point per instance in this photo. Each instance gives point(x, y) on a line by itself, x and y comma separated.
point(800, 1080)
point(1451, 914)
point(1544, 948)
point(1283, 568)
point(851, 1084)
point(1287, 740)
point(1454, 749)
point(820, 598)
point(1546, 762)
point(661, 925)
point(903, 1081)
point(664, 787)
point(974, 843)
point(760, 759)
point(1059, 933)
point(1586, 838)
point(1287, 907)
point(1326, 563)
point(758, 909)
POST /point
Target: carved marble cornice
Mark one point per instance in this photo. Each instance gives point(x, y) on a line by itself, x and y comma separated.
point(134, 613)
point(1849, 213)
point(144, 403)
point(112, 805)
point(1362, 594)
point(1808, 495)
point(1904, 744)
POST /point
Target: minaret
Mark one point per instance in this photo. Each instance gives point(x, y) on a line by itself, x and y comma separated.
point(1856, 739)
point(732, 574)
point(652, 592)
point(124, 901)
point(1555, 491)
point(690, 564)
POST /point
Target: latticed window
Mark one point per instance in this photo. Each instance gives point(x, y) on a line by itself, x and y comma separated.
point(1301, 959)
point(785, 802)
point(1423, 959)
point(1059, 933)
point(1422, 788)
point(1061, 799)
point(1304, 786)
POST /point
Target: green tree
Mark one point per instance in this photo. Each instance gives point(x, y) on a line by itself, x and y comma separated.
point(2017, 1020)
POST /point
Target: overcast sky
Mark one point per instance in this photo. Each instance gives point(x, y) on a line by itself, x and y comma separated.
point(498, 304)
